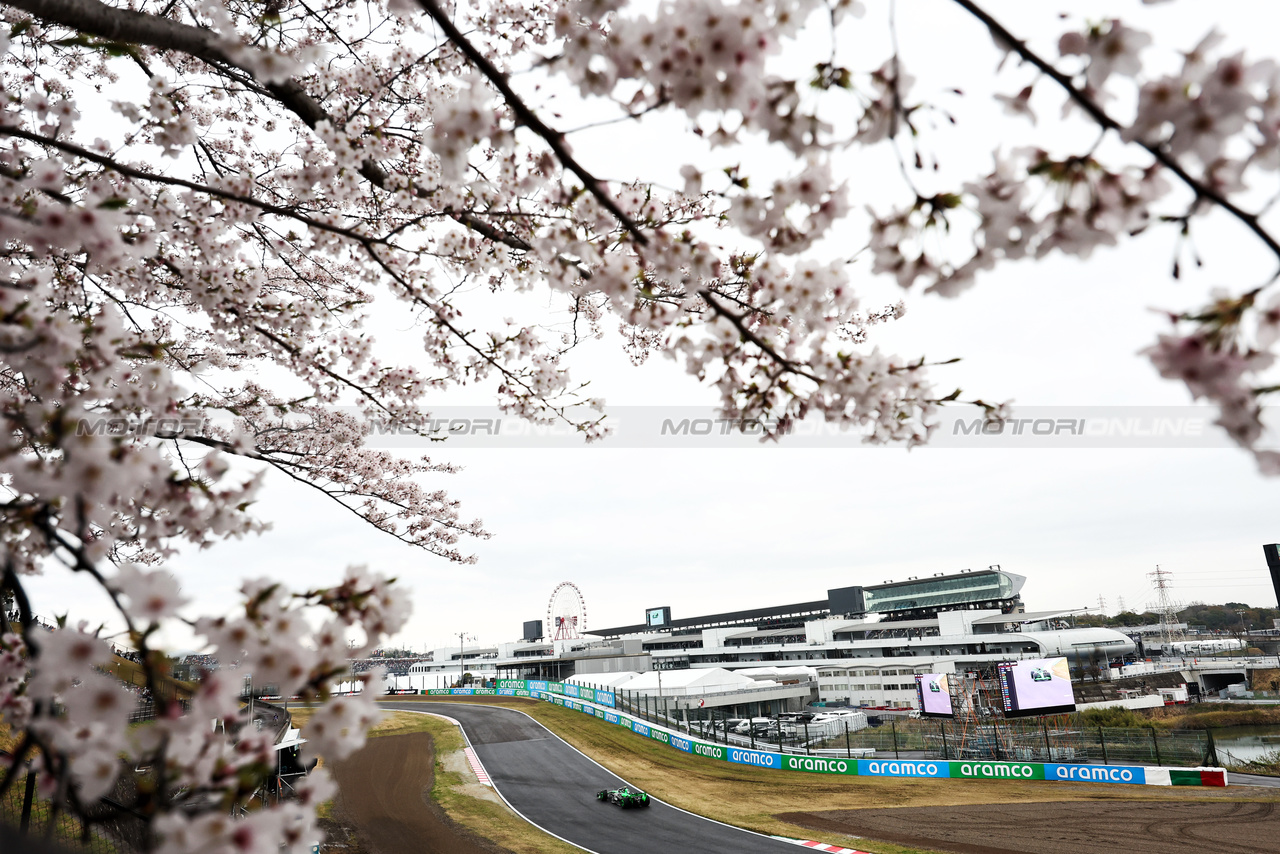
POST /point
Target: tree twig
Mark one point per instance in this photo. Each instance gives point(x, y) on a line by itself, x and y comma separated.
point(1099, 115)
point(529, 118)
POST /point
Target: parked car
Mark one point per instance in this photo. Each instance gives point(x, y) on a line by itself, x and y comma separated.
point(746, 725)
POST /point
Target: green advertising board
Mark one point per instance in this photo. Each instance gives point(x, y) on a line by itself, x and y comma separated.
point(997, 770)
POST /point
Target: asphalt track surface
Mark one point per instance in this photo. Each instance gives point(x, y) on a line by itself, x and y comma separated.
point(554, 786)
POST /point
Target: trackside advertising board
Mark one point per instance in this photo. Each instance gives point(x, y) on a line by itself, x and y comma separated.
point(462, 692)
point(567, 689)
point(935, 768)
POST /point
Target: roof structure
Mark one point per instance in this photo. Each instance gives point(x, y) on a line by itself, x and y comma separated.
point(1025, 617)
point(604, 680)
point(690, 682)
point(895, 625)
point(766, 633)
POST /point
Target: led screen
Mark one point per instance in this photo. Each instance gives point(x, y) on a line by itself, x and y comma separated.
point(934, 692)
point(1041, 686)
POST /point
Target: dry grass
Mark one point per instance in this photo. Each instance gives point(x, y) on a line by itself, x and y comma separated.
point(1216, 716)
point(751, 797)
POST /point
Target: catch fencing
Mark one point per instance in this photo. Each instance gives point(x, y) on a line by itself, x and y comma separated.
point(1037, 742)
point(784, 759)
point(22, 809)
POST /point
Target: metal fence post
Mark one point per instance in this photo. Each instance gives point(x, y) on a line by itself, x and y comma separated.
point(1155, 742)
point(1212, 757)
point(1048, 751)
point(1102, 739)
point(848, 751)
point(27, 798)
point(807, 748)
point(894, 726)
point(780, 736)
point(942, 728)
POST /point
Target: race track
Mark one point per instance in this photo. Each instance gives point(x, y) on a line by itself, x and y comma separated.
point(554, 786)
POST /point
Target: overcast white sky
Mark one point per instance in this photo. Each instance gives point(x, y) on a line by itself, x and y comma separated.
point(712, 529)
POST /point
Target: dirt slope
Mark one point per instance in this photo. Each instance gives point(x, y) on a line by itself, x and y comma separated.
point(1064, 828)
point(385, 791)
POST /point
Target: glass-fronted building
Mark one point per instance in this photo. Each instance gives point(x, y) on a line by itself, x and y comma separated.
point(921, 597)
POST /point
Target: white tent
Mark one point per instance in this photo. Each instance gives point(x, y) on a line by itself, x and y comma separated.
point(690, 683)
point(797, 673)
point(603, 680)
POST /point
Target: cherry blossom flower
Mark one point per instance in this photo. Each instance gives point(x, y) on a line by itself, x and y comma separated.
point(152, 595)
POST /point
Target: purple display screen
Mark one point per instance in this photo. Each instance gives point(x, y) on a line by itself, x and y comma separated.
point(934, 692)
point(1037, 687)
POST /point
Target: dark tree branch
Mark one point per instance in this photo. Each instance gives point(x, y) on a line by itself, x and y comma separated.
point(125, 25)
point(765, 347)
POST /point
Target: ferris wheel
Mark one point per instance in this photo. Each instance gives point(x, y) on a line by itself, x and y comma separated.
point(566, 612)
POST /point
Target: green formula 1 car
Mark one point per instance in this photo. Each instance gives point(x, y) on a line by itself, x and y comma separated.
point(625, 797)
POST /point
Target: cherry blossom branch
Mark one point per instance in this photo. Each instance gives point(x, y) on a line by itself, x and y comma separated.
point(143, 175)
point(81, 563)
point(1099, 115)
point(529, 118)
point(750, 335)
point(126, 25)
point(92, 16)
point(444, 321)
point(292, 470)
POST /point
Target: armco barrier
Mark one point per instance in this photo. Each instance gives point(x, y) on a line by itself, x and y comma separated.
point(600, 704)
